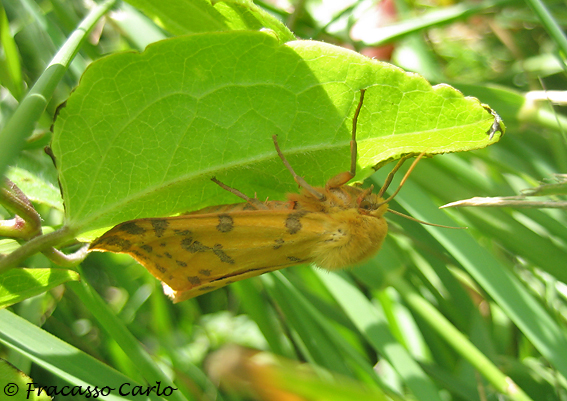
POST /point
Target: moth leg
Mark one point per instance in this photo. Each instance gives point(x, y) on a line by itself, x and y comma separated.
point(391, 175)
point(300, 181)
point(253, 201)
point(344, 177)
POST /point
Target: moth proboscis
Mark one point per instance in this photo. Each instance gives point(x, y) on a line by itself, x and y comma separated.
point(333, 227)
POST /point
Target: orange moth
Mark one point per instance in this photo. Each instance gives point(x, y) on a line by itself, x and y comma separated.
point(333, 227)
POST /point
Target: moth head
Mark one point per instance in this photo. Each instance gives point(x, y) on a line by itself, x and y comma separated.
point(370, 203)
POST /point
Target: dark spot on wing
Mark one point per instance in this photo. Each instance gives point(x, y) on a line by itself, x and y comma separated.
point(167, 254)
point(159, 225)
point(293, 222)
point(194, 280)
point(131, 228)
point(293, 259)
point(205, 272)
point(181, 263)
point(113, 241)
point(160, 268)
point(193, 246)
point(147, 248)
point(217, 250)
point(279, 242)
point(207, 288)
point(248, 206)
point(226, 223)
point(140, 254)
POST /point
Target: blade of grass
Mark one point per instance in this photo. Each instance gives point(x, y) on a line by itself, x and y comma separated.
point(306, 320)
point(432, 19)
point(261, 312)
point(11, 73)
point(317, 340)
point(503, 287)
point(458, 341)
point(552, 27)
point(118, 331)
point(374, 326)
point(60, 358)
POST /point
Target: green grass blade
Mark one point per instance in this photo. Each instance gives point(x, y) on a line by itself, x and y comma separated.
point(60, 358)
point(553, 28)
point(19, 284)
point(125, 339)
point(371, 322)
point(502, 286)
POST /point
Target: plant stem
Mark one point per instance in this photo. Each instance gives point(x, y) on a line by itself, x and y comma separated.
point(27, 223)
point(38, 244)
point(22, 122)
point(64, 260)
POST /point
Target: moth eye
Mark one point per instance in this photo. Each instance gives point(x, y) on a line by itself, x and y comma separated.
point(366, 205)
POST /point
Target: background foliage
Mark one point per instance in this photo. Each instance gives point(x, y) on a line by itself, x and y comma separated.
point(394, 328)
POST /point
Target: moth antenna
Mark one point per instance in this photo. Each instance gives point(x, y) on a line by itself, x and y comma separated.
point(253, 201)
point(300, 181)
point(424, 222)
point(406, 175)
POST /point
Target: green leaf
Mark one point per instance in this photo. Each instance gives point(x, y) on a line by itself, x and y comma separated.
point(19, 284)
point(10, 70)
point(196, 16)
point(35, 176)
point(144, 133)
point(8, 245)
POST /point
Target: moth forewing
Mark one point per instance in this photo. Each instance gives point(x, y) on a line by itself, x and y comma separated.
point(197, 252)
